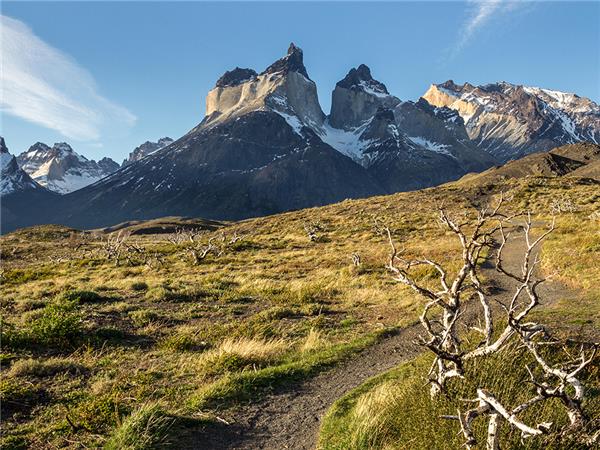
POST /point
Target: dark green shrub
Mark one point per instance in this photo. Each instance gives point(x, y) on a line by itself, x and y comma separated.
point(82, 296)
point(139, 286)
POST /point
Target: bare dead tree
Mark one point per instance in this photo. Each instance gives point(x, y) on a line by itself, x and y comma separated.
point(313, 230)
point(199, 251)
point(452, 352)
point(113, 246)
point(181, 235)
point(562, 205)
point(356, 261)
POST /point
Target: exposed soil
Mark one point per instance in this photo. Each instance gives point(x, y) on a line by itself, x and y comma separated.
point(289, 418)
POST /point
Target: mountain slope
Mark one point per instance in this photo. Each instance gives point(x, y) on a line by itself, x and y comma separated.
point(577, 160)
point(252, 166)
point(510, 120)
point(61, 169)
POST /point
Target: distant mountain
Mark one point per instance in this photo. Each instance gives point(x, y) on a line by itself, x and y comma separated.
point(252, 155)
point(61, 169)
point(510, 121)
point(146, 149)
point(265, 146)
point(12, 177)
point(22, 201)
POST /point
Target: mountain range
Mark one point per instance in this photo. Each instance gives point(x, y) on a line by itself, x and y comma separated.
point(265, 146)
point(60, 169)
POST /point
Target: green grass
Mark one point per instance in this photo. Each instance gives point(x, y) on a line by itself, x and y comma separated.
point(144, 429)
point(394, 410)
point(250, 384)
point(57, 325)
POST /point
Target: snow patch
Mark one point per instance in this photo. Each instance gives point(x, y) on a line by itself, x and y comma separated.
point(430, 145)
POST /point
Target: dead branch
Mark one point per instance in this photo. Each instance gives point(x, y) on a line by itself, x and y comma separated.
point(448, 301)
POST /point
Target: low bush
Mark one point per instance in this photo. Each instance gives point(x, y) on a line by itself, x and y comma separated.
point(139, 286)
point(81, 297)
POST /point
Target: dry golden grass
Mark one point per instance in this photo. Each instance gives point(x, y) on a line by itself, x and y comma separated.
point(276, 299)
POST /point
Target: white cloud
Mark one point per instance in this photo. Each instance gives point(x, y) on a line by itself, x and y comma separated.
point(43, 85)
point(480, 14)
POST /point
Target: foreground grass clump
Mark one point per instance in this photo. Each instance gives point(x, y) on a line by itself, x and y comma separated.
point(144, 429)
point(395, 410)
point(57, 325)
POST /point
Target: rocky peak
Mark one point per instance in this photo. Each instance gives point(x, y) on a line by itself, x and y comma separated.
point(360, 78)
point(510, 120)
point(357, 97)
point(61, 169)
point(284, 87)
point(146, 149)
point(292, 62)
point(12, 177)
point(235, 77)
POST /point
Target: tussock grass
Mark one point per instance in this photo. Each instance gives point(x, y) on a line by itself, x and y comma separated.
point(144, 429)
point(45, 368)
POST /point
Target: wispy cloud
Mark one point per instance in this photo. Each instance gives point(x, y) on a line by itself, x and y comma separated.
point(41, 84)
point(480, 14)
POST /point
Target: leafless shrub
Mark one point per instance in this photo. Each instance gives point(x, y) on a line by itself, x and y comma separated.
point(356, 261)
point(182, 235)
point(452, 352)
point(595, 216)
point(314, 230)
point(113, 246)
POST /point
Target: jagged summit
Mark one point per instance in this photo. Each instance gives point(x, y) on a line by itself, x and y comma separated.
point(13, 179)
point(511, 120)
point(147, 148)
point(361, 78)
point(61, 169)
point(357, 97)
point(284, 87)
point(292, 62)
point(236, 76)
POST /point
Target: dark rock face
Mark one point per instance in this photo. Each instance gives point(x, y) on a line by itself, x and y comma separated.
point(357, 97)
point(235, 77)
point(401, 164)
point(12, 178)
point(292, 62)
point(360, 76)
point(23, 201)
point(252, 166)
point(145, 149)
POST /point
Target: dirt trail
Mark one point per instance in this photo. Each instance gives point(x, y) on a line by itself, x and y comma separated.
point(289, 418)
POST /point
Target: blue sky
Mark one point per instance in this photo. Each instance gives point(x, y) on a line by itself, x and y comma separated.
point(107, 76)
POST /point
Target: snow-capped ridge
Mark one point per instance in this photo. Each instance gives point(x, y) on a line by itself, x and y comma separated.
point(510, 120)
point(13, 179)
point(60, 169)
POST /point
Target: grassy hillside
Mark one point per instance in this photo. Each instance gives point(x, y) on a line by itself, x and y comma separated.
point(95, 353)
